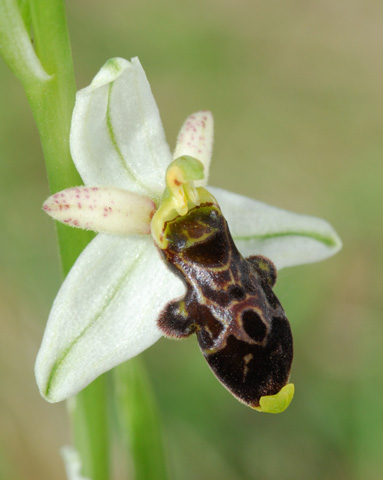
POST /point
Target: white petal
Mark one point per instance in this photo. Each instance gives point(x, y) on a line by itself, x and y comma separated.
point(117, 138)
point(286, 238)
point(102, 209)
point(72, 463)
point(104, 313)
point(196, 140)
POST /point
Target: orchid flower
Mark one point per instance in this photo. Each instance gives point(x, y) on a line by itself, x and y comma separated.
point(107, 309)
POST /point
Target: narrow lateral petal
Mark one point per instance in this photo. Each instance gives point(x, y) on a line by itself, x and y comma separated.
point(102, 209)
point(196, 140)
point(105, 313)
point(117, 138)
point(286, 238)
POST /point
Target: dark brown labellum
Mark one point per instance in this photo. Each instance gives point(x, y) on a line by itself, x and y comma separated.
point(241, 328)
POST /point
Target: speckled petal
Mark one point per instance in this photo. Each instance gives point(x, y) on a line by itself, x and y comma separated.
point(196, 140)
point(102, 209)
point(117, 138)
point(105, 313)
point(286, 238)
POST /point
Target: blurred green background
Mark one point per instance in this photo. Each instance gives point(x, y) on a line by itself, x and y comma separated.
point(296, 91)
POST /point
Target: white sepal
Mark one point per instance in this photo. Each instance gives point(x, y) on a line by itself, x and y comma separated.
point(286, 238)
point(117, 138)
point(102, 209)
point(105, 313)
point(196, 140)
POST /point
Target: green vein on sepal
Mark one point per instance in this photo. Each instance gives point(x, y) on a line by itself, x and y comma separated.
point(113, 139)
point(332, 241)
point(58, 364)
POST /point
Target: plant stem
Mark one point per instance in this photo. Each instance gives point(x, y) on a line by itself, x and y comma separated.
point(52, 108)
point(91, 430)
point(46, 72)
point(138, 420)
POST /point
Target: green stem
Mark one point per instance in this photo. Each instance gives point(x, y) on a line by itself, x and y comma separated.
point(91, 429)
point(138, 420)
point(52, 106)
point(46, 72)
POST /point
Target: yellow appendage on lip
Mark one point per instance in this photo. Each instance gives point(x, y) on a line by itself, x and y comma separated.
point(276, 403)
point(180, 194)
